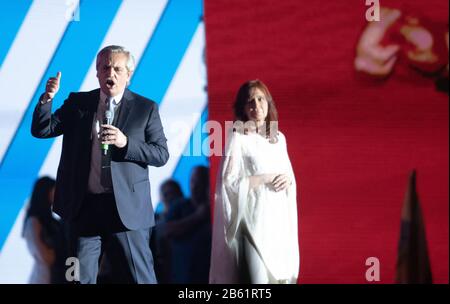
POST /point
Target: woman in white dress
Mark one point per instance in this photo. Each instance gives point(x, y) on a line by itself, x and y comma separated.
point(255, 236)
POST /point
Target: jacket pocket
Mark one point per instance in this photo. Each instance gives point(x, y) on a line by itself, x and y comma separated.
point(144, 184)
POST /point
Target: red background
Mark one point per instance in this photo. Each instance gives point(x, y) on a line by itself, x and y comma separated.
point(352, 142)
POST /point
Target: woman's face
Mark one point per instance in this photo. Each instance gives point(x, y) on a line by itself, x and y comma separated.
point(256, 107)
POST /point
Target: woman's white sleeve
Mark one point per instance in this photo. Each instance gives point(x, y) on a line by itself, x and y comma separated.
point(224, 267)
point(235, 187)
point(292, 197)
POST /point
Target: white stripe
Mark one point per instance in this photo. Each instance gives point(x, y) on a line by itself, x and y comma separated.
point(50, 165)
point(26, 62)
point(181, 108)
point(16, 262)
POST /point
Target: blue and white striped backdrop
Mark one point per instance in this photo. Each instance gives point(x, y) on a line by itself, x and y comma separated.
point(41, 37)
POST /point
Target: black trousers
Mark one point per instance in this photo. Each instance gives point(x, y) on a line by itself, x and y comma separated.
point(98, 235)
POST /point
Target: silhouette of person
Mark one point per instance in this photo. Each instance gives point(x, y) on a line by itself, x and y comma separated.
point(188, 228)
point(170, 192)
point(44, 234)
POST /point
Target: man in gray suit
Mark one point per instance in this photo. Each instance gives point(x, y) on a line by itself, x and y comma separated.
point(102, 187)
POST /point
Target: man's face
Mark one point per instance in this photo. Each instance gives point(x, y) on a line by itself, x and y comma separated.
point(112, 73)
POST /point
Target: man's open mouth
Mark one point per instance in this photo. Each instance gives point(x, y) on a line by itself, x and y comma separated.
point(110, 83)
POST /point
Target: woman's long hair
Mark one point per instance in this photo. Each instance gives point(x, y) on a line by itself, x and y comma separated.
point(40, 207)
point(244, 93)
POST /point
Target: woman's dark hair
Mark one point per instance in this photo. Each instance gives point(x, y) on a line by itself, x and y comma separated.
point(40, 206)
point(242, 97)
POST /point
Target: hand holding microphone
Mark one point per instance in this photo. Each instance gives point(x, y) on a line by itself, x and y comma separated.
point(111, 135)
point(107, 121)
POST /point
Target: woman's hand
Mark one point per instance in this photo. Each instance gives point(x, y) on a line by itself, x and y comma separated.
point(278, 182)
point(281, 182)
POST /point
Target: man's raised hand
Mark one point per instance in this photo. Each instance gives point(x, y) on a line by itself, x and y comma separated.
point(52, 86)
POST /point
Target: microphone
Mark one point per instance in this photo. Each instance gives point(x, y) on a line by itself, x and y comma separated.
point(108, 121)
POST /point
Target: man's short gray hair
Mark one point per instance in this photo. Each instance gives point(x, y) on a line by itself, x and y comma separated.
point(114, 49)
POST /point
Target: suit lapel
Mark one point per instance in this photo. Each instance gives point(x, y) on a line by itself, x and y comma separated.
point(87, 109)
point(125, 109)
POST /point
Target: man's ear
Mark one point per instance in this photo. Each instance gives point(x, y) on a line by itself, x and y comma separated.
point(130, 73)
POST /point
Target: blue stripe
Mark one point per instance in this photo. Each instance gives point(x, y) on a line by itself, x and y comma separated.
point(184, 167)
point(74, 55)
point(166, 48)
point(12, 14)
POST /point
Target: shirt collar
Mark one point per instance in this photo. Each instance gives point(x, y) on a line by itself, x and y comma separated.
point(117, 98)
